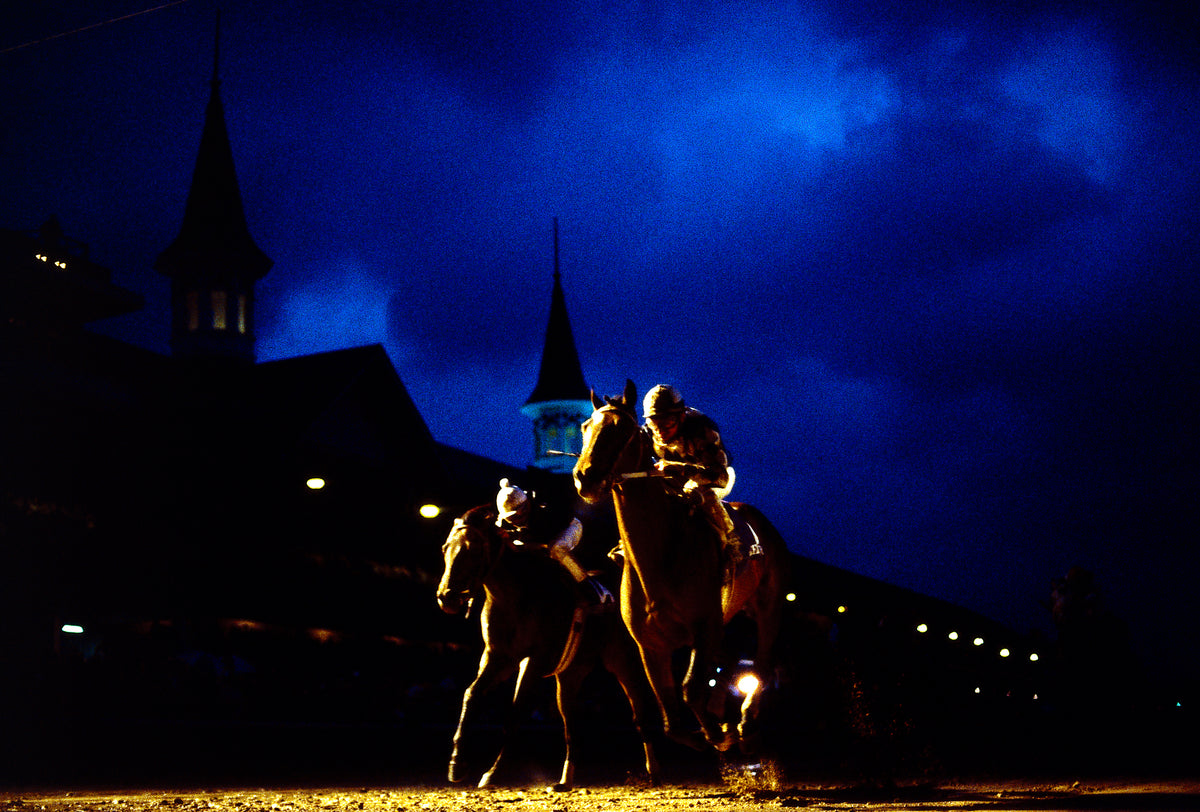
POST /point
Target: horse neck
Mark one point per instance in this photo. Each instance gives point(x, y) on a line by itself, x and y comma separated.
point(659, 539)
point(514, 574)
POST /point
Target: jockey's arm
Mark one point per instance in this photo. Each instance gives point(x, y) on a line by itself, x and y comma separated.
point(708, 466)
point(561, 549)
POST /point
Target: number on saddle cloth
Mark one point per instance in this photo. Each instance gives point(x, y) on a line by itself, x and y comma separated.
point(748, 545)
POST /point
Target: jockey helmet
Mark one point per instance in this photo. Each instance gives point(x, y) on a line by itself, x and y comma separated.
point(662, 400)
point(510, 501)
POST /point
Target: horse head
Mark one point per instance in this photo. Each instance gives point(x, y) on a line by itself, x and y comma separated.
point(611, 444)
point(467, 554)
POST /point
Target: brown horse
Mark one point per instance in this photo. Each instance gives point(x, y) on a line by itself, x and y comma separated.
point(673, 591)
point(535, 624)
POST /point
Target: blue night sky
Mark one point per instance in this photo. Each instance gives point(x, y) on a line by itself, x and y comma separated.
point(931, 268)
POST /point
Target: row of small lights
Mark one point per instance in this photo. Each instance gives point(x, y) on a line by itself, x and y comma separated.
point(58, 263)
point(923, 628)
point(427, 511)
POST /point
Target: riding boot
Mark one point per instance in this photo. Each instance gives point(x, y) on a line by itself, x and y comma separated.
point(718, 517)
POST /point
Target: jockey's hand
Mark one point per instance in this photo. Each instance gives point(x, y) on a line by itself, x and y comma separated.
point(690, 487)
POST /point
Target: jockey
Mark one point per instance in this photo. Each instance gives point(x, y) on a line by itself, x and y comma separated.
point(689, 451)
point(525, 523)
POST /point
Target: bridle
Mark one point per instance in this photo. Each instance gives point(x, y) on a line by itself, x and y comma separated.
point(473, 541)
point(631, 442)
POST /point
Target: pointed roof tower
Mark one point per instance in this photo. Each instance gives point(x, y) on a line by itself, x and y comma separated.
point(561, 400)
point(213, 263)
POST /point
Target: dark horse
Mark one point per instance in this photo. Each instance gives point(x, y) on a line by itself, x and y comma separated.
point(673, 593)
point(534, 623)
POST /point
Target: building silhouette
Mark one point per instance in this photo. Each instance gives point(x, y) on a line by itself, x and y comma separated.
point(163, 516)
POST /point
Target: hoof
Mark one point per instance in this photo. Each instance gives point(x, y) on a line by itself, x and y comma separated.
point(560, 787)
point(693, 740)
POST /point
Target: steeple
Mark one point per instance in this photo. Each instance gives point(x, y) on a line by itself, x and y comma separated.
point(213, 263)
point(561, 399)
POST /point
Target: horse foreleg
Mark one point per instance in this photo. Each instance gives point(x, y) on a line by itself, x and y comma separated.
point(492, 671)
point(624, 664)
point(662, 683)
point(512, 718)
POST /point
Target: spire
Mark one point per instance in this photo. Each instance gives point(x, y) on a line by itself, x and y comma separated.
point(213, 263)
point(560, 376)
point(214, 232)
point(561, 401)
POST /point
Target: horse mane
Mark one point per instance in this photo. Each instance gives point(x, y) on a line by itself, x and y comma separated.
point(480, 514)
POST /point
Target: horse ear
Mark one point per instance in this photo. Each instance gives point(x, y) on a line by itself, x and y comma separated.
point(630, 394)
point(597, 403)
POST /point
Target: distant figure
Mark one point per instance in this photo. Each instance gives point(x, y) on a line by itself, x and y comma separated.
point(1098, 675)
point(524, 522)
point(689, 451)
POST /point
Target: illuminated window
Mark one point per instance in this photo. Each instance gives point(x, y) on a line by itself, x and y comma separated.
point(241, 313)
point(219, 299)
point(192, 301)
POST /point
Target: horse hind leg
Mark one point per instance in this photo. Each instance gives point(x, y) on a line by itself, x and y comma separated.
point(568, 684)
point(697, 694)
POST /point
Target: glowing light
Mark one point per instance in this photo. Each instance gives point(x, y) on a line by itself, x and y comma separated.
point(978, 641)
point(953, 635)
point(712, 683)
point(841, 610)
point(72, 628)
point(790, 597)
point(315, 483)
point(1004, 652)
point(748, 684)
point(42, 257)
point(1033, 658)
point(978, 690)
point(922, 628)
point(430, 511)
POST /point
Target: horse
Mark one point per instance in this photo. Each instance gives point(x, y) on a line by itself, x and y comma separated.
point(534, 623)
point(673, 591)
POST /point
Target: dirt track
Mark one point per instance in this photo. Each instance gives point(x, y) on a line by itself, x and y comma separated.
point(731, 796)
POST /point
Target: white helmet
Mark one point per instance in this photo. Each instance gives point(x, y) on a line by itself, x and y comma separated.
point(662, 399)
point(509, 501)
